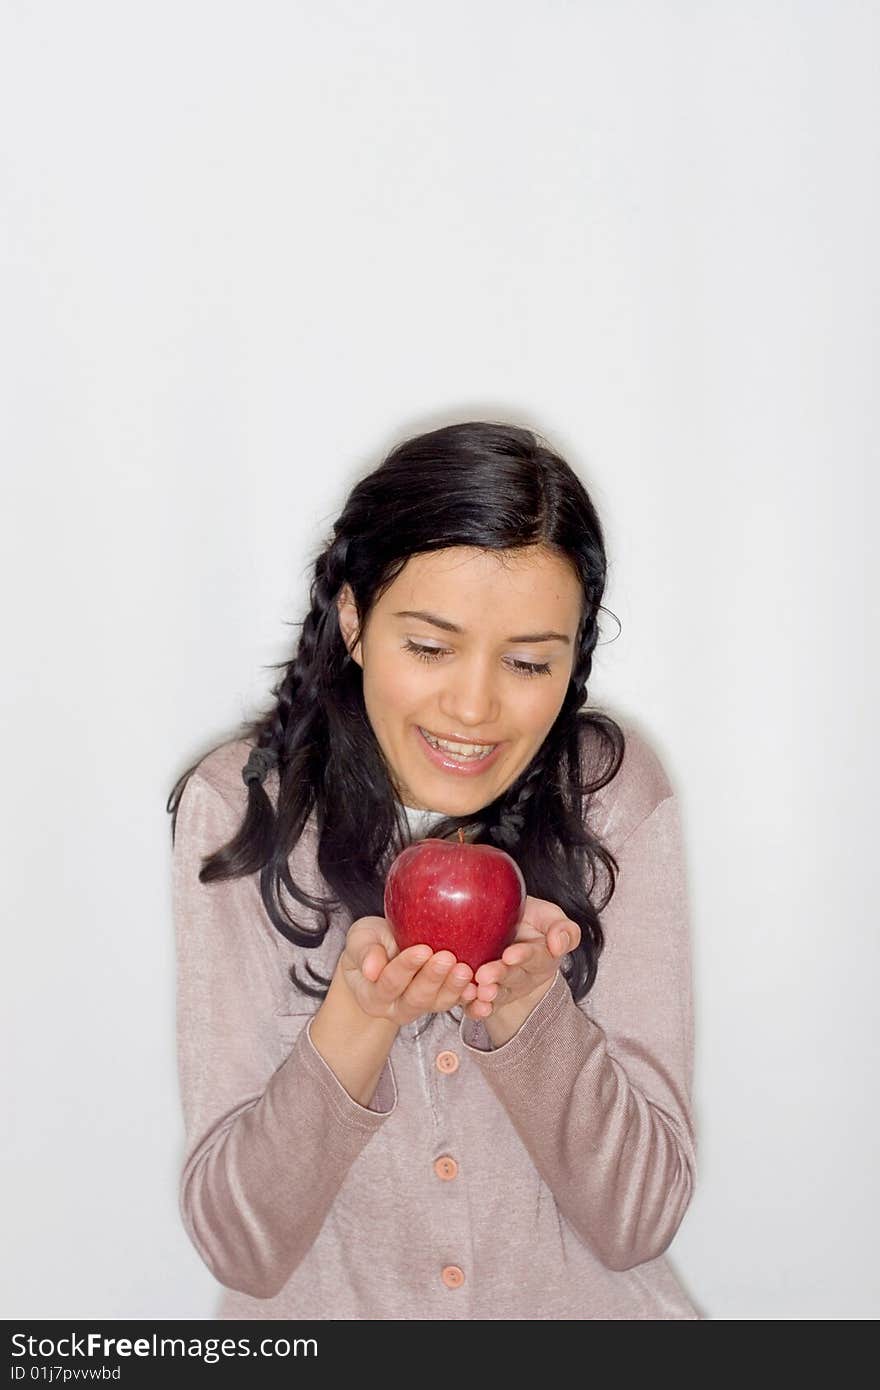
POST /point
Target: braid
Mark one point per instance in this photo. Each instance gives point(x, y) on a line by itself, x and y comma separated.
point(512, 818)
point(589, 636)
point(302, 677)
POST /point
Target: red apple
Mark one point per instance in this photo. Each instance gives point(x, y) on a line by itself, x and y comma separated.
point(454, 896)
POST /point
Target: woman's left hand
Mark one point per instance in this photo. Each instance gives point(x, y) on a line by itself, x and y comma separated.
point(528, 965)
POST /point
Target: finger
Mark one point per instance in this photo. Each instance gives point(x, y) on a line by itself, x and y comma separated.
point(546, 919)
point(541, 915)
point(448, 976)
point(427, 981)
point(400, 972)
point(436, 982)
point(565, 938)
point(373, 961)
point(450, 993)
point(522, 954)
point(491, 973)
point(363, 936)
point(479, 1009)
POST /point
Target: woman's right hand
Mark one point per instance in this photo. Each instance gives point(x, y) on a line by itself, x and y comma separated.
point(400, 985)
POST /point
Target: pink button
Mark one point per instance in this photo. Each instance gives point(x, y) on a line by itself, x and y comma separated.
point(447, 1062)
point(446, 1167)
point(452, 1276)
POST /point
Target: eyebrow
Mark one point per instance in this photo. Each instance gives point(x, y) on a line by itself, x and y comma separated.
point(447, 626)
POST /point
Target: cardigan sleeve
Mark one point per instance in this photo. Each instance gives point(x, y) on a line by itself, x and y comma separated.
point(270, 1131)
point(600, 1090)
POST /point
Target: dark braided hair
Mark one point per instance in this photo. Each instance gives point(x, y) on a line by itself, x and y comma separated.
point(512, 818)
point(477, 484)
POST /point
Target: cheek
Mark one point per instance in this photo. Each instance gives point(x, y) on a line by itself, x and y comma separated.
point(539, 707)
point(392, 687)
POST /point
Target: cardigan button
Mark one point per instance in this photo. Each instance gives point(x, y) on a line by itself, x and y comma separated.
point(447, 1062)
point(446, 1167)
point(452, 1276)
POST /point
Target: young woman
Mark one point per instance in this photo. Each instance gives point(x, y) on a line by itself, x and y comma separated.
point(383, 1134)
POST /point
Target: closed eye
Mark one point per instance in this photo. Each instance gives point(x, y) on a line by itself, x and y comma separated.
point(523, 668)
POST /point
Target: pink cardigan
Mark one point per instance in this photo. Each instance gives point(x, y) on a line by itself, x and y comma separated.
point(543, 1179)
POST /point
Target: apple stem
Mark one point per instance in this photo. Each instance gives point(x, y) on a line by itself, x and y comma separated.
point(460, 836)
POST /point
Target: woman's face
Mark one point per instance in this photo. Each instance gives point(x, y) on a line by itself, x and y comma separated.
point(481, 669)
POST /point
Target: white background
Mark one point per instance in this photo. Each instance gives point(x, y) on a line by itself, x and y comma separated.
point(248, 247)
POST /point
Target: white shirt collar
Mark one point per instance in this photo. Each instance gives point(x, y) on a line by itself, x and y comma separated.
point(421, 821)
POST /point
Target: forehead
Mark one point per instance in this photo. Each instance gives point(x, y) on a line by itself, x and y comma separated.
point(467, 584)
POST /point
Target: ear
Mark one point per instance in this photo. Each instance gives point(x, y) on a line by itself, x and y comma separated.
point(348, 622)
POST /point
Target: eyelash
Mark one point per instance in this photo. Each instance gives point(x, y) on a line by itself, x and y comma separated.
point(524, 668)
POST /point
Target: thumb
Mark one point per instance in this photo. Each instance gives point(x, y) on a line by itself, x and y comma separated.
point(370, 945)
point(566, 939)
point(373, 961)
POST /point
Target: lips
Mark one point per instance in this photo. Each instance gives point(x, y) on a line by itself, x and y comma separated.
point(461, 738)
point(463, 747)
point(447, 762)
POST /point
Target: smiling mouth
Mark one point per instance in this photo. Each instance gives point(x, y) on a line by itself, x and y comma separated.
point(463, 750)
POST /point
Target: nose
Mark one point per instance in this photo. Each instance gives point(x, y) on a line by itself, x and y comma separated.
point(469, 698)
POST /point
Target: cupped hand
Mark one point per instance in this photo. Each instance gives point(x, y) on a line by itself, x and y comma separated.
point(528, 965)
point(401, 985)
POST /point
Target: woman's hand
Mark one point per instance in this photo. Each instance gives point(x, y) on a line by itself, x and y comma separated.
point(528, 966)
point(400, 985)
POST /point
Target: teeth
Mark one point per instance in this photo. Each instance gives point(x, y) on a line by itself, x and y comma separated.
point(468, 750)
